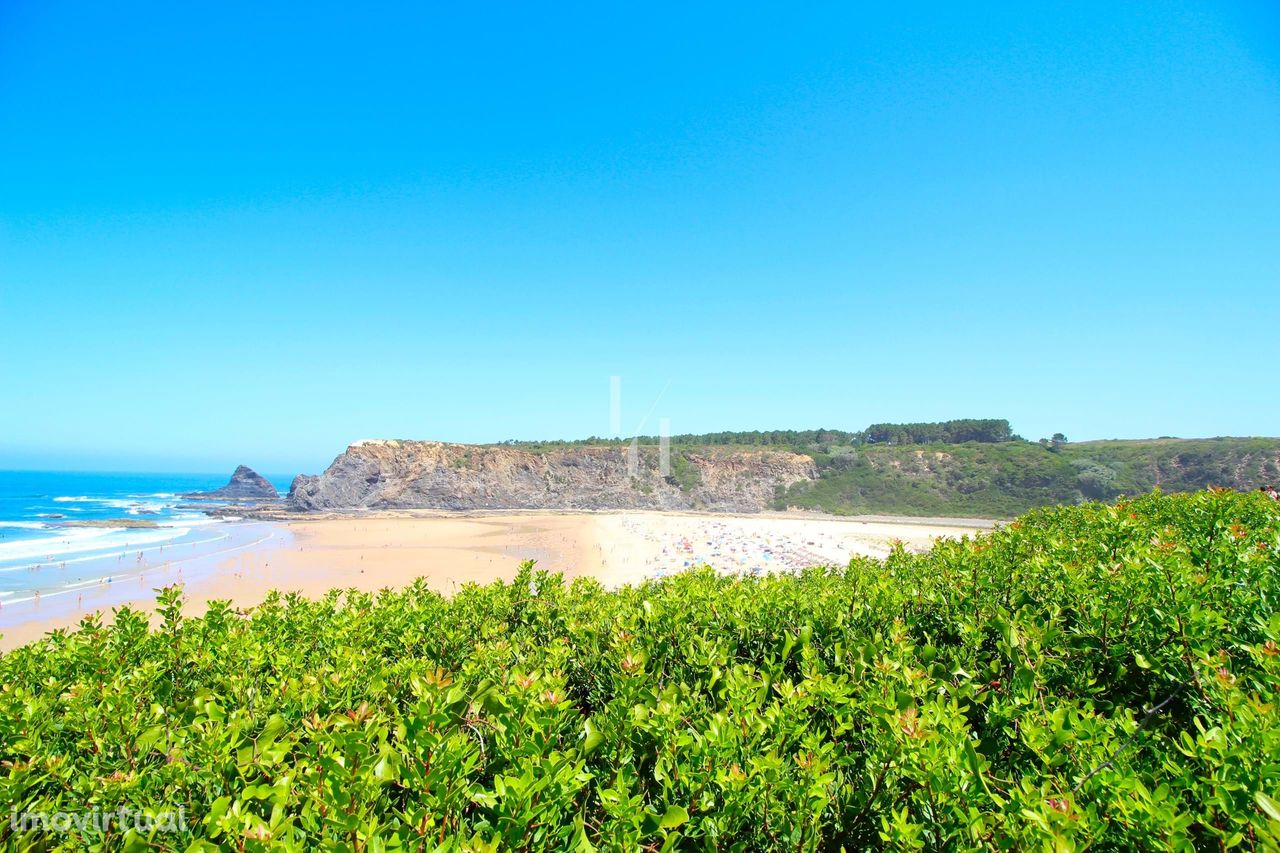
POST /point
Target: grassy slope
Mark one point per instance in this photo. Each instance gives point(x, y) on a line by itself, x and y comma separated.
point(999, 480)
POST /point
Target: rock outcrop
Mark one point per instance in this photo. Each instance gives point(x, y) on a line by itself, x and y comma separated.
point(245, 485)
point(114, 523)
point(429, 474)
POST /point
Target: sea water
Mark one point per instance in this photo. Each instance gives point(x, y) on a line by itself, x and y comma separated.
point(44, 552)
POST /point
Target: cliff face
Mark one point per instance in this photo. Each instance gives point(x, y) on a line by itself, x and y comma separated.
point(428, 474)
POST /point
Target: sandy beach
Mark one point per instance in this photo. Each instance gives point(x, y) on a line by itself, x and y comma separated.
point(373, 551)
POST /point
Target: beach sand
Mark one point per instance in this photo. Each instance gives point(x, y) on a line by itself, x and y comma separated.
point(373, 551)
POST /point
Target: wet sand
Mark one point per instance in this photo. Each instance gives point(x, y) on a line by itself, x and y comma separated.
point(373, 551)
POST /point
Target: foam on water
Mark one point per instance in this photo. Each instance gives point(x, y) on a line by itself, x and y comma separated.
point(132, 505)
point(82, 541)
point(64, 541)
point(102, 556)
point(42, 553)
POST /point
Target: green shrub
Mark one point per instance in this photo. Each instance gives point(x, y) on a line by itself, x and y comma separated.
point(684, 473)
point(1088, 677)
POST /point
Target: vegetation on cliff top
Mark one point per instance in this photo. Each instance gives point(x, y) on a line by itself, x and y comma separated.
point(944, 432)
point(1092, 676)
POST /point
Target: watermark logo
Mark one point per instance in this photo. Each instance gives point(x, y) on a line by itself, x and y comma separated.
point(633, 447)
point(122, 819)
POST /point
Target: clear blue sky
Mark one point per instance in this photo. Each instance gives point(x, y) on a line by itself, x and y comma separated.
point(253, 232)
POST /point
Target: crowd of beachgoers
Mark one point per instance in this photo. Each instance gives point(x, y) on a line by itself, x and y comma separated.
point(726, 546)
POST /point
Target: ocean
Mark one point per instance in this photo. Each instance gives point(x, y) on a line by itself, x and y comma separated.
point(43, 552)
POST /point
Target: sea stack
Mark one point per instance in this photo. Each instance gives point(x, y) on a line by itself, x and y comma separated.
point(246, 484)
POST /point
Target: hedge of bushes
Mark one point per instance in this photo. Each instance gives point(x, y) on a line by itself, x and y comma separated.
point(1096, 677)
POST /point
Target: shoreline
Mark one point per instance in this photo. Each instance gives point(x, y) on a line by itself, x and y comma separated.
point(286, 516)
point(31, 617)
point(371, 550)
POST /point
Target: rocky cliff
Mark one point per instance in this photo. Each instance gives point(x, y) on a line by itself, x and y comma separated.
point(245, 484)
point(428, 474)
